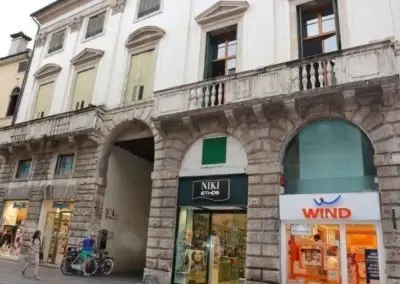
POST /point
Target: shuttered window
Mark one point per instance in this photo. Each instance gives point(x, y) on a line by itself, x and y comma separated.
point(147, 7)
point(139, 85)
point(83, 90)
point(43, 100)
point(214, 151)
point(57, 41)
point(95, 25)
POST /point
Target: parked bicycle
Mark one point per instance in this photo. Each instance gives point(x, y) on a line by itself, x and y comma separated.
point(72, 263)
point(105, 262)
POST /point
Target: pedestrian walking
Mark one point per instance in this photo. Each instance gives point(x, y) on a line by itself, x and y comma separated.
point(32, 259)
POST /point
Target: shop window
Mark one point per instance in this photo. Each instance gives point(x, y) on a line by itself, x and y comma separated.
point(314, 253)
point(318, 28)
point(210, 246)
point(23, 169)
point(65, 165)
point(329, 156)
point(13, 218)
point(214, 151)
point(221, 52)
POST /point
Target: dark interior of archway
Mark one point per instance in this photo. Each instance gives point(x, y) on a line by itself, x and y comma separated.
point(143, 148)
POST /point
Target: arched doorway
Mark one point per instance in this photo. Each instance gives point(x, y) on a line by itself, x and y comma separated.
point(330, 212)
point(128, 166)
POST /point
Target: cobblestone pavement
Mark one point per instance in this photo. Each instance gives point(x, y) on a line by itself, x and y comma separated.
point(10, 273)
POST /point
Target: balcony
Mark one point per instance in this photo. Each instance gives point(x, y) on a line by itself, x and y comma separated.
point(355, 69)
point(70, 124)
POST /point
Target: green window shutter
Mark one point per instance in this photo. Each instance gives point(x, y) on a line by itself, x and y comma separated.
point(214, 151)
point(208, 58)
point(140, 76)
point(83, 90)
point(43, 100)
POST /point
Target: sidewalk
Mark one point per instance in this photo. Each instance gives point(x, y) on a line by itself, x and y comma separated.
point(10, 273)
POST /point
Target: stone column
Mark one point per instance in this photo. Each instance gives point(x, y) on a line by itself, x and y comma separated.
point(263, 250)
point(161, 234)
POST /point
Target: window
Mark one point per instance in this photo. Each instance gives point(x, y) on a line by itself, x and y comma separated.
point(95, 25)
point(318, 28)
point(147, 7)
point(43, 100)
point(214, 151)
point(329, 156)
point(221, 53)
point(57, 41)
point(23, 66)
point(65, 164)
point(83, 90)
point(12, 105)
point(139, 85)
point(24, 168)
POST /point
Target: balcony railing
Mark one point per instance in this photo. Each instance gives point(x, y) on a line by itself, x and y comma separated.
point(61, 124)
point(377, 60)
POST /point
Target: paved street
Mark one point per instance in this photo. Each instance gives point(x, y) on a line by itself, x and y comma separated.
point(10, 273)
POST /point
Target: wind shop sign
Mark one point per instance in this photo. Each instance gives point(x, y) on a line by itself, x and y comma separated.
point(215, 190)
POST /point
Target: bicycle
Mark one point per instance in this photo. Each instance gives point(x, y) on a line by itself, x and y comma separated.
point(105, 263)
point(72, 263)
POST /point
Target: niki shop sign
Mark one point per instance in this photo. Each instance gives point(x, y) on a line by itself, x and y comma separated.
point(340, 206)
point(214, 190)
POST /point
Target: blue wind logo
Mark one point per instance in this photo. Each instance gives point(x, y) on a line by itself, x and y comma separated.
point(322, 201)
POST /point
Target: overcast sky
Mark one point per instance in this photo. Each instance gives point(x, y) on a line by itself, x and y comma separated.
point(14, 17)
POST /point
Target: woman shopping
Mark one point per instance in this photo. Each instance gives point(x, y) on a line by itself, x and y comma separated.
point(32, 260)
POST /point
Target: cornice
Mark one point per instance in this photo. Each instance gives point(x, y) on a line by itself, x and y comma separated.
point(220, 10)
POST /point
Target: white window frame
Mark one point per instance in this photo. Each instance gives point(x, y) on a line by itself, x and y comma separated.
point(343, 245)
point(98, 12)
point(294, 34)
point(48, 53)
point(138, 19)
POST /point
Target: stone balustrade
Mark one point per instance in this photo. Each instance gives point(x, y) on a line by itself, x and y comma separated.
point(63, 124)
point(355, 65)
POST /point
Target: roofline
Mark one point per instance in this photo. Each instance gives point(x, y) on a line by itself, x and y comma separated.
point(45, 8)
point(15, 55)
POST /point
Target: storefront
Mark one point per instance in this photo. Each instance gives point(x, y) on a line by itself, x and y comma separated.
point(54, 223)
point(211, 230)
point(15, 213)
point(332, 238)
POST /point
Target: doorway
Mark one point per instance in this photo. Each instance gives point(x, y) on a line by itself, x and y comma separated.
point(332, 253)
point(211, 246)
point(55, 236)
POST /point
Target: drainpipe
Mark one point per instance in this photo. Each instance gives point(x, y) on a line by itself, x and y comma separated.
point(26, 75)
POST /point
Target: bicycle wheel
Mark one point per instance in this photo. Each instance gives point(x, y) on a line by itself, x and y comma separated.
point(91, 266)
point(66, 265)
point(107, 267)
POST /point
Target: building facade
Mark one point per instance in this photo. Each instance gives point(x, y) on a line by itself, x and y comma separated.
point(12, 72)
point(215, 141)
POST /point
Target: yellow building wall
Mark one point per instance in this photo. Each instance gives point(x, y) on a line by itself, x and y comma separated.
point(9, 79)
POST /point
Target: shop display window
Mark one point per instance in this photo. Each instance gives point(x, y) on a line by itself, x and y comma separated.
point(11, 230)
point(211, 247)
point(314, 254)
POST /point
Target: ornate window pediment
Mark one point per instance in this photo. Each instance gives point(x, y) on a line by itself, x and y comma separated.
point(47, 70)
point(87, 55)
point(222, 10)
point(144, 36)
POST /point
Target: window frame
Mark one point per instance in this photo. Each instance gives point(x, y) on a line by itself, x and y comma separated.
point(49, 52)
point(20, 63)
point(151, 14)
point(78, 69)
point(17, 167)
point(87, 21)
point(12, 95)
point(318, 10)
point(39, 83)
point(56, 173)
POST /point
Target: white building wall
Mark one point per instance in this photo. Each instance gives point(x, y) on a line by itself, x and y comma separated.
point(269, 37)
point(128, 192)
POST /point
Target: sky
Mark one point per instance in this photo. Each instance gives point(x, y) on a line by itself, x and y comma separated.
point(15, 18)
